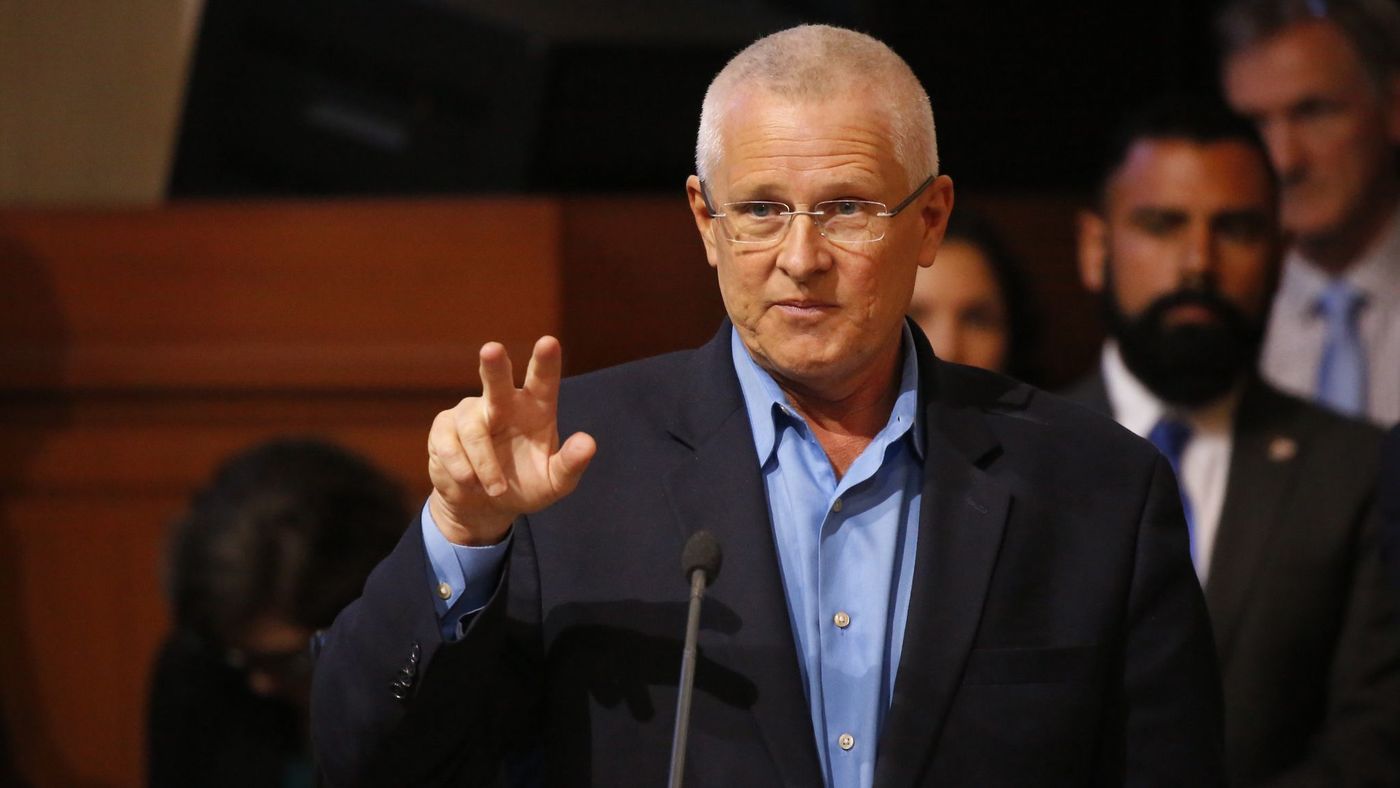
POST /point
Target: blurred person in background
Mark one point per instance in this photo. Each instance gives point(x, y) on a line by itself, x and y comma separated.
point(269, 551)
point(1279, 494)
point(1321, 81)
point(972, 303)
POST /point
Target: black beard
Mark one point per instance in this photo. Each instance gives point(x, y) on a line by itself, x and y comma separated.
point(1190, 364)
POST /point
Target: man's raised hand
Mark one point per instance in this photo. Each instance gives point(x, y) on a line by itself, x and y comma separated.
point(494, 457)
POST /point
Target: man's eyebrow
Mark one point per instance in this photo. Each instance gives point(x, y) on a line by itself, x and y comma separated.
point(1156, 212)
point(1252, 217)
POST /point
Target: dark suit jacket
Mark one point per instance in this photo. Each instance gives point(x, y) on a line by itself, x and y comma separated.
point(207, 729)
point(1390, 507)
point(1055, 636)
point(1309, 645)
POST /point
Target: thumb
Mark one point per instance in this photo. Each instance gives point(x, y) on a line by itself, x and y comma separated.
point(567, 465)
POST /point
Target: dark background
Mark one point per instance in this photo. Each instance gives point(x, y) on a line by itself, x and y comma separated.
point(328, 97)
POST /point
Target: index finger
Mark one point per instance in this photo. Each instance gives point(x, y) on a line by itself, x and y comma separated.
point(497, 384)
point(542, 376)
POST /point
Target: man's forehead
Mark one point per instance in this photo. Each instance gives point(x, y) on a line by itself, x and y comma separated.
point(1306, 59)
point(1191, 174)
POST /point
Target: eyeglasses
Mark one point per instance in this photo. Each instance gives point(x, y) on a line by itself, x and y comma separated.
point(839, 221)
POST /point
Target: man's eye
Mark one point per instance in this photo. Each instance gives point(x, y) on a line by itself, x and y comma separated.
point(843, 208)
point(759, 210)
point(1159, 223)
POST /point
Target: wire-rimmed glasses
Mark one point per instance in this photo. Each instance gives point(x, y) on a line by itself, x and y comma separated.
point(838, 221)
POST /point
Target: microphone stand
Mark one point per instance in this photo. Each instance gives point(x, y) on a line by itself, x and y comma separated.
point(701, 561)
point(687, 686)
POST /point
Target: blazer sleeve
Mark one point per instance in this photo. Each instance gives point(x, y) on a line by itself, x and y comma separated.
point(1170, 728)
point(392, 703)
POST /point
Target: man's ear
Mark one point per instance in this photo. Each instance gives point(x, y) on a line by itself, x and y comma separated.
point(937, 207)
point(694, 192)
point(1093, 249)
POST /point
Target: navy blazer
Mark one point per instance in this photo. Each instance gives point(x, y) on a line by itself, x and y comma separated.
point(1306, 633)
point(1056, 634)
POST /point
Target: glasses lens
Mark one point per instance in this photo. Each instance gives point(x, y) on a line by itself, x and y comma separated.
point(755, 222)
point(852, 221)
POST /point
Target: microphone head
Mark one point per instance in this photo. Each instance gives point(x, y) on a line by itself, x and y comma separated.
point(701, 552)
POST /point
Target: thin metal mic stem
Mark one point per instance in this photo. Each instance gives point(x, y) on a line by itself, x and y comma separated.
point(687, 685)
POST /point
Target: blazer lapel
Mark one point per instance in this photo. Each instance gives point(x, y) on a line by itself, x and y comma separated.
point(722, 491)
point(962, 518)
point(1261, 470)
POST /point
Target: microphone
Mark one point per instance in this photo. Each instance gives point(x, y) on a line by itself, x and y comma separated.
point(700, 560)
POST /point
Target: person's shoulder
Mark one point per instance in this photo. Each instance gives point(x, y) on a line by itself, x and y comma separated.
point(1319, 428)
point(1021, 411)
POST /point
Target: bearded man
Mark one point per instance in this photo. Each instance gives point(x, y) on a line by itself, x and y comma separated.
point(1279, 494)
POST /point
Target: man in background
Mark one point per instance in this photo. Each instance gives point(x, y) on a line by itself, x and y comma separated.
point(1321, 81)
point(1279, 494)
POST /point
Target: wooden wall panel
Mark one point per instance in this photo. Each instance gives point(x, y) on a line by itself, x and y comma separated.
point(635, 280)
point(264, 296)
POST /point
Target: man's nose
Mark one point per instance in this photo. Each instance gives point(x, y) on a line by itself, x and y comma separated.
point(1286, 152)
point(1201, 255)
point(803, 251)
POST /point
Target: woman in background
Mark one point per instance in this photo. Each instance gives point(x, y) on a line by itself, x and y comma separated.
point(270, 550)
point(972, 303)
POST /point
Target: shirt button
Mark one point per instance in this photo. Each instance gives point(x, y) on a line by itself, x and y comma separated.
point(836, 507)
point(847, 741)
point(444, 590)
point(841, 620)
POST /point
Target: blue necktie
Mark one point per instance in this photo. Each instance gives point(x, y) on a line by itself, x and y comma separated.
point(1341, 376)
point(1170, 437)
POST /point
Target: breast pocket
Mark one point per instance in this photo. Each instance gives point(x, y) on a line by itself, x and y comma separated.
point(1053, 665)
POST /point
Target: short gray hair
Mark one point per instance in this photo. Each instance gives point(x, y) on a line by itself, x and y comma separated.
point(811, 62)
point(1372, 27)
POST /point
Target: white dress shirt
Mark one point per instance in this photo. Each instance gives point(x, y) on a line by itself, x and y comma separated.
point(1205, 463)
point(1293, 344)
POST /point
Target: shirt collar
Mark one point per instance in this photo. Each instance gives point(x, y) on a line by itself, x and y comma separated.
point(766, 403)
point(1137, 408)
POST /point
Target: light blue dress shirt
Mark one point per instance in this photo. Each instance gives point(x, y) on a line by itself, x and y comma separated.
point(468, 574)
point(845, 549)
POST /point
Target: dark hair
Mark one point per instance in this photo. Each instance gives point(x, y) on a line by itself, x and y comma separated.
point(290, 528)
point(1372, 27)
point(1197, 119)
point(1022, 320)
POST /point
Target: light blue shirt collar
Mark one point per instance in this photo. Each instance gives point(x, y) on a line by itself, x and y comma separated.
point(766, 402)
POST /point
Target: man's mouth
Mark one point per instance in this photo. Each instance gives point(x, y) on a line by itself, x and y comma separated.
point(803, 308)
point(1183, 314)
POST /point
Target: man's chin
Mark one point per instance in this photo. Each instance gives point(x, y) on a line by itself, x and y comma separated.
point(1310, 222)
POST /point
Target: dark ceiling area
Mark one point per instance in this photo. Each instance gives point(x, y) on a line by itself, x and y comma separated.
point(363, 97)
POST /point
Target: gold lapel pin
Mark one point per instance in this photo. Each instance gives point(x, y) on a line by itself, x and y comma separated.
point(1282, 449)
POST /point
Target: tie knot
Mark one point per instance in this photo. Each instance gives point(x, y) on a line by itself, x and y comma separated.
point(1170, 437)
point(1339, 302)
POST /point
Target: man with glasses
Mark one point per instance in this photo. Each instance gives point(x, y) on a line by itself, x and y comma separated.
point(932, 574)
